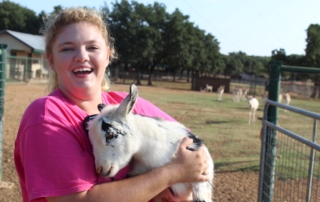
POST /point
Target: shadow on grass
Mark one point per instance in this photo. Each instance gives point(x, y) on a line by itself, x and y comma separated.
point(216, 122)
point(221, 167)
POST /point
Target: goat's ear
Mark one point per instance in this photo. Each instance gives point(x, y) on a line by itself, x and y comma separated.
point(101, 106)
point(86, 121)
point(128, 103)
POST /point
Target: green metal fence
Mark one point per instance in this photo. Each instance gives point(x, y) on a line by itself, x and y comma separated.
point(290, 163)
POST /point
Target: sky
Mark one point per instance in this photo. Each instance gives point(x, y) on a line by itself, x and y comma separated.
point(255, 27)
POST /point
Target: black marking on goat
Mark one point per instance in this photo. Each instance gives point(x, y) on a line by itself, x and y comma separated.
point(197, 142)
point(85, 122)
point(110, 132)
point(101, 106)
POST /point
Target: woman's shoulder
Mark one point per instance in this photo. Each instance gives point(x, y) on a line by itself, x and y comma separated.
point(52, 107)
point(54, 98)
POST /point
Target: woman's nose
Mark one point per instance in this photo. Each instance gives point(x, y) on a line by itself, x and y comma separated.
point(81, 55)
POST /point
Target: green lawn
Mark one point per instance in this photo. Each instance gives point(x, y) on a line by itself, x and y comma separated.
point(233, 143)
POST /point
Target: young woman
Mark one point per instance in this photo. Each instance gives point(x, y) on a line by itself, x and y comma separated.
point(53, 154)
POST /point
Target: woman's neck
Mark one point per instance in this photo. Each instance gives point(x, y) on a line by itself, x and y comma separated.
point(88, 102)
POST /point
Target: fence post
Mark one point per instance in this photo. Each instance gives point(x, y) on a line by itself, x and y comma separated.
point(270, 148)
point(3, 51)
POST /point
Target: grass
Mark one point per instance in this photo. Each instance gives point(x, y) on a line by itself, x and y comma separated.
point(233, 144)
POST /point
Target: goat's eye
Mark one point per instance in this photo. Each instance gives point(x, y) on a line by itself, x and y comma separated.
point(109, 136)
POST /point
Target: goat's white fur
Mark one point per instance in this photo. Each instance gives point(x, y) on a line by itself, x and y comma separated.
point(220, 92)
point(253, 106)
point(208, 88)
point(149, 142)
point(239, 93)
point(287, 98)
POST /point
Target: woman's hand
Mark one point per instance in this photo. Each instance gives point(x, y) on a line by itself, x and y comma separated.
point(187, 166)
point(191, 165)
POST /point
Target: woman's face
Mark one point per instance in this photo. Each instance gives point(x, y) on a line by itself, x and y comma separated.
point(79, 57)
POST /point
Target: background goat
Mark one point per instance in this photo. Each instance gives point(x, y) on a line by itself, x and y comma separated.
point(118, 136)
point(253, 106)
point(220, 92)
point(287, 98)
point(208, 88)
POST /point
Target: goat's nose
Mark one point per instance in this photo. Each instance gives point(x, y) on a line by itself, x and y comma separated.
point(99, 169)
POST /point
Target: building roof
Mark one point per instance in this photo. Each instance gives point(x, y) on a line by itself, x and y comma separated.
point(35, 42)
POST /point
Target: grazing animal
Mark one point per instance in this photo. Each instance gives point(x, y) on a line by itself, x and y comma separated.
point(287, 99)
point(208, 88)
point(236, 95)
point(280, 97)
point(119, 136)
point(244, 93)
point(265, 98)
point(220, 92)
point(253, 106)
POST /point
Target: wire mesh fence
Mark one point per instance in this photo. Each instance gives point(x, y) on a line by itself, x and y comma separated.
point(290, 168)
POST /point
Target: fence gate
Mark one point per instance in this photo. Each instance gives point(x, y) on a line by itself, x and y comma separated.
point(3, 51)
point(290, 161)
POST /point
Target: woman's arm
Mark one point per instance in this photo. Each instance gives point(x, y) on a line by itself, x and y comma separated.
point(187, 166)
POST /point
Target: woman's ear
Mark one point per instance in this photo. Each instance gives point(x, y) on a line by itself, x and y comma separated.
point(50, 60)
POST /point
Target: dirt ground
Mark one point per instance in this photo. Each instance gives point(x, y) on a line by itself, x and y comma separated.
point(234, 186)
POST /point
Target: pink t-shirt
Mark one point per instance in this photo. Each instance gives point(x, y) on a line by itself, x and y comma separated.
point(53, 154)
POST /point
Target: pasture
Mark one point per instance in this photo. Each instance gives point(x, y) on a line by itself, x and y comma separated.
point(233, 143)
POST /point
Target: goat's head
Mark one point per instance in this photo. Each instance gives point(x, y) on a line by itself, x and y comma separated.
point(109, 134)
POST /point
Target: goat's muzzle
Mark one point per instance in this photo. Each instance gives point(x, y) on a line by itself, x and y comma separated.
point(99, 169)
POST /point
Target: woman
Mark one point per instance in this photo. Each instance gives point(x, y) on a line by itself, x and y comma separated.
point(53, 155)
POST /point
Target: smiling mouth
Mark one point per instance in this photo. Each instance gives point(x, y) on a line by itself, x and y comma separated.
point(83, 71)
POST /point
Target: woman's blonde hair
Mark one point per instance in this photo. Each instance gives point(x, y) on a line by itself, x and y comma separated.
point(54, 24)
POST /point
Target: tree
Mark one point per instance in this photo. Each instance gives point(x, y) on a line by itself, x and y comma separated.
point(313, 45)
point(18, 18)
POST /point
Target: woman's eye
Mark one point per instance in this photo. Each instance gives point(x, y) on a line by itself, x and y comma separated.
point(93, 48)
point(66, 49)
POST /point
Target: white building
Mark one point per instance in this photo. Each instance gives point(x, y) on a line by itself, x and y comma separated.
point(25, 55)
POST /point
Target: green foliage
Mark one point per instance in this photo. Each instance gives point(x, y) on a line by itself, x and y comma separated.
point(18, 18)
point(148, 37)
point(313, 45)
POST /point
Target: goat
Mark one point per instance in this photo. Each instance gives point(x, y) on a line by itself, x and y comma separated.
point(220, 92)
point(236, 94)
point(239, 93)
point(265, 97)
point(244, 93)
point(253, 106)
point(119, 136)
point(287, 99)
point(208, 88)
point(280, 97)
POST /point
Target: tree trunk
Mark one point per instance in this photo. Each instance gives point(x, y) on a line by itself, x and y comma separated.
point(316, 87)
point(181, 73)
point(188, 75)
point(151, 75)
point(138, 74)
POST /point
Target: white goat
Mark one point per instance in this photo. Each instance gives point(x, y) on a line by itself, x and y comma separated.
point(280, 97)
point(208, 88)
point(237, 94)
point(118, 136)
point(220, 92)
point(253, 106)
point(244, 94)
point(287, 98)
